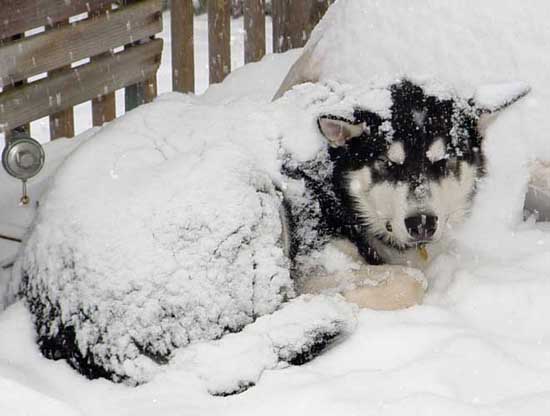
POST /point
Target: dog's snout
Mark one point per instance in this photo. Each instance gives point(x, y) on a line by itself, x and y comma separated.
point(421, 227)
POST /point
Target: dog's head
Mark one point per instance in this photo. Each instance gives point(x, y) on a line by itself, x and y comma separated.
point(412, 176)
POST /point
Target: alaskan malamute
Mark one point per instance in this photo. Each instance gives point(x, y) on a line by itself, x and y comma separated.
point(396, 186)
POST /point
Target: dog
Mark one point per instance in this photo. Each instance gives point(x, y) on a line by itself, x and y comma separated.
point(395, 187)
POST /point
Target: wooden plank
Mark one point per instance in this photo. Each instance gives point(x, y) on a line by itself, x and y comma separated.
point(183, 50)
point(150, 88)
point(25, 129)
point(289, 24)
point(33, 101)
point(103, 107)
point(219, 39)
point(254, 26)
point(62, 122)
point(61, 46)
point(19, 16)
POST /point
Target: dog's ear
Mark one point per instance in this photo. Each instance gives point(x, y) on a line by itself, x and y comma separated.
point(489, 100)
point(338, 131)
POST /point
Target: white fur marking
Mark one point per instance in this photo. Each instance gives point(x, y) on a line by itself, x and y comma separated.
point(419, 117)
point(396, 153)
point(437, 151)
point(355, 185)
point(359, 181)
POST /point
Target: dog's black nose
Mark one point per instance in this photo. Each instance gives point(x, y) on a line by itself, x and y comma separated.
point(421, 227)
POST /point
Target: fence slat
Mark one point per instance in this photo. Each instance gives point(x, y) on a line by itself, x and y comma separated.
point(294, 20)
point(62, 122)
point(19, 16)
point(183, 50)
point(30, 102)
point(62, 46)
point(254, 26)
point(25, 128)
point(103, 107)
point(289, 22)
point(219, 39)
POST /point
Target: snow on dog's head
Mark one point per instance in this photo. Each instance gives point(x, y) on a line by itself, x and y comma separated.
point(410, 174)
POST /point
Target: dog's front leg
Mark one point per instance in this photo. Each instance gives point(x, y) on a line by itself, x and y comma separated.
point(384, 287)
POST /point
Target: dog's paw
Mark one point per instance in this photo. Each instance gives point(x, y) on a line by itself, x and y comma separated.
point(387, 288)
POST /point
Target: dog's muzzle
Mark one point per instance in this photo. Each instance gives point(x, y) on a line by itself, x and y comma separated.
point(421, 227)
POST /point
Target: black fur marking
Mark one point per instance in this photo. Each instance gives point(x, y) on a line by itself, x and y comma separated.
point(64, 344)
point(317, 343)
point(241, 388)
point(454, 121)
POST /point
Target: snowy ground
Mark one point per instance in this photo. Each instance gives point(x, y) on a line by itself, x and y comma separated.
point(480, 345)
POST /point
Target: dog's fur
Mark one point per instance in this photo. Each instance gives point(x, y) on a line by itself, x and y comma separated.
point(396, 186)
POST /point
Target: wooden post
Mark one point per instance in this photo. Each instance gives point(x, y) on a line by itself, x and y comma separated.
point(104, 106)
point(25, 128)
point(62, 123)
point(254, 26)
point(183, 50)
point(294, 20)
point(219, 39)
point(277, 15)
point(289, 24)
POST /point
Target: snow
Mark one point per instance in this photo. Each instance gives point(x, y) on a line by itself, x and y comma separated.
point(478, 346)
point(490, 97)
point(18, 400)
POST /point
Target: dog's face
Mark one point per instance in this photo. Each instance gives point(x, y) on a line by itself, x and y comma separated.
point(411, 177)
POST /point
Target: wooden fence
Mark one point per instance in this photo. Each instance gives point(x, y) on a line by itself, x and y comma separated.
point(55, 54)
